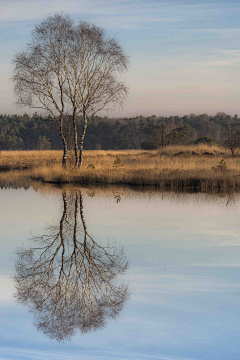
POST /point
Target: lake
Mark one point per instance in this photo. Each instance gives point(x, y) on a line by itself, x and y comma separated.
point(115, 273)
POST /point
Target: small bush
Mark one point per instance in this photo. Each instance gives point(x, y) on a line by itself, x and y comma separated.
point(222, 165)
point(91, 167)
point(118, 162)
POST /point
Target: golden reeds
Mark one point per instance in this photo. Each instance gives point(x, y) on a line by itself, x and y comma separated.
point(200, 167)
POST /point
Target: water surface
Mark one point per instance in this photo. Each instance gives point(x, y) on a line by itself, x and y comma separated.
point(182, 281)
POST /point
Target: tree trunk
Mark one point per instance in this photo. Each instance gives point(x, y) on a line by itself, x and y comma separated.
point(75, 138)
point(76, 220)
point(64, 140)
point(64, 216)
point(82, 138)
point(83, 222)
point(64, 159)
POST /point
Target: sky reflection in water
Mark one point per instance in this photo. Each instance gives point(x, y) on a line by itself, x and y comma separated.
point(184, 274)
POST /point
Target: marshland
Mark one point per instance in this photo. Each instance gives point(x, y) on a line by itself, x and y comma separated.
point(198, 152)
point(198, 167)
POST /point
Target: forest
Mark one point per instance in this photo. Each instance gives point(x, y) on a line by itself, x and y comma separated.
point(37, 133)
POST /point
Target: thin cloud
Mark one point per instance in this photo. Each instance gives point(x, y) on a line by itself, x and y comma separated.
point(116, 12)
point(218, 31)
point(35, 355)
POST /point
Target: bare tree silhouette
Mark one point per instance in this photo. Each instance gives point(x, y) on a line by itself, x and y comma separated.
point(70, 69)
point(69, 280)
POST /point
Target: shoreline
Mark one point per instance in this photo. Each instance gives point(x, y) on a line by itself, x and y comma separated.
point(190, 168)
point(222, 183)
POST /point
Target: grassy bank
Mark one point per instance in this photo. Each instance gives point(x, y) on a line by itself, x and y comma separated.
point(175, 167)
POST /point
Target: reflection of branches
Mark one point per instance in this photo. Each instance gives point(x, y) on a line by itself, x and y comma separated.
point(68, 280)
point(91, 193)
point(118, 197)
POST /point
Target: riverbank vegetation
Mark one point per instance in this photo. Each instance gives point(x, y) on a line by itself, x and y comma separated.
point(198, 167)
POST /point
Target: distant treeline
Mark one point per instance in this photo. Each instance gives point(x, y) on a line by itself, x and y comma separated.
point(34, 132)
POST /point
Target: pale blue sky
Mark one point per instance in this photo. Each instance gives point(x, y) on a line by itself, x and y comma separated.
point(185, 55)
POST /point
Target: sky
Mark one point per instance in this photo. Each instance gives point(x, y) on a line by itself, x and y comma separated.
point(184, 54)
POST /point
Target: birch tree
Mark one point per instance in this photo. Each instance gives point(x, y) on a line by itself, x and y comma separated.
point(92, 72)
point(73, 69)
point(39, 72)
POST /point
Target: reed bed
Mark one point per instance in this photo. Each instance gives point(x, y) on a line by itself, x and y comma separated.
point(35, 158)
point(202, 168)
point(28, 159)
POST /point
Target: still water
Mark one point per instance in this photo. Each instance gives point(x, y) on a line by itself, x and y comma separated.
point(119, 274)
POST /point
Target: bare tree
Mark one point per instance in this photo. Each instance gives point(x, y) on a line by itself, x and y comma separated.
point(69, 66)
point(39, 72)
point(68, 280)
point(233, 139)
point(92, 71)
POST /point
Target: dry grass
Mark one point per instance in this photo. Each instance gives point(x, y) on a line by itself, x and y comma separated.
point(173, 168)
point(28, 159)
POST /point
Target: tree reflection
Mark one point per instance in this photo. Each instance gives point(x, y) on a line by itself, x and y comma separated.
point(69, 280)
